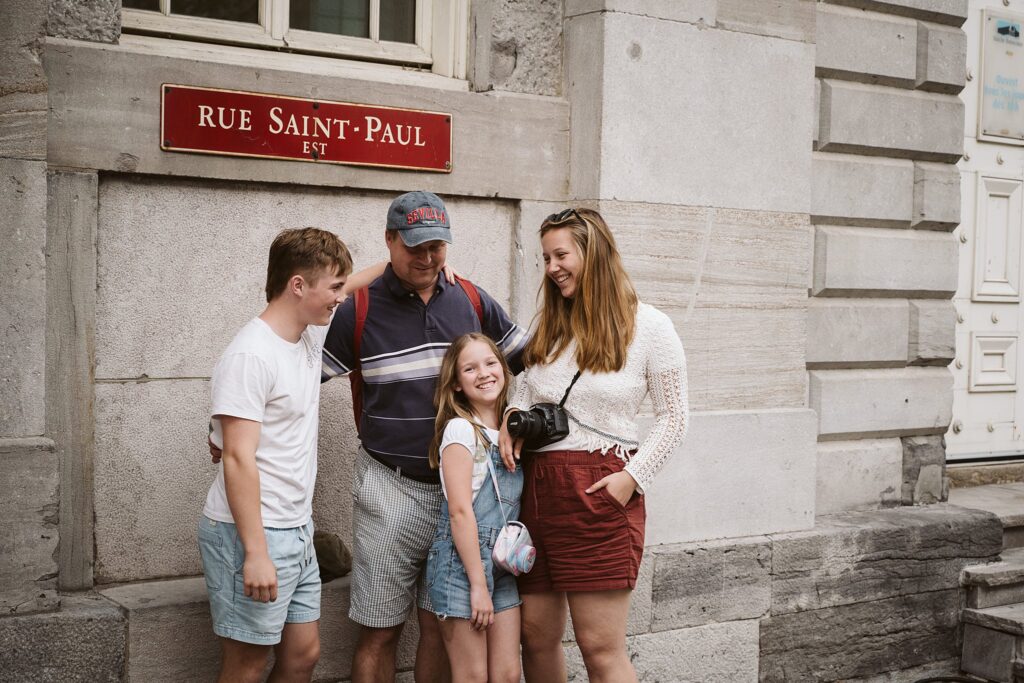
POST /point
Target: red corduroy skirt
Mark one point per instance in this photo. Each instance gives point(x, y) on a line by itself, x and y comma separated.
point(585, 541)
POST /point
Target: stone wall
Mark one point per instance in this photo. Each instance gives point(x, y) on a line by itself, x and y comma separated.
point(885, 198)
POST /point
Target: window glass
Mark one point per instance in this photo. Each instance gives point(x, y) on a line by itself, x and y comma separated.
point(398, 20)
point(341, 17)
point(247, 11)
point(153, 5)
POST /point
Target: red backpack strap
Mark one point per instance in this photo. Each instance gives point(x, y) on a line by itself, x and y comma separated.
point(355, 378)
point(474, 298)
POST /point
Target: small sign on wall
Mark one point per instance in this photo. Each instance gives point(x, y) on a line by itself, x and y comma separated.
point(1002, 82)
point(237, 123)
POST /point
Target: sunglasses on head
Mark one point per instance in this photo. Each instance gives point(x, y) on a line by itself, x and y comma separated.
point(564, 215)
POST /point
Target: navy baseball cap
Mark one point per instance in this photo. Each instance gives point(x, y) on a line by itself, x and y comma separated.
point(419, 217)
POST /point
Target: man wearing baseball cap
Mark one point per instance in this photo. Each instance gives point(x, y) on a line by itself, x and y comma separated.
point(394, 334)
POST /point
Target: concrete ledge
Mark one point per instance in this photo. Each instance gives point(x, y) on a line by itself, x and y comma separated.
point(857, 333)
point(891, 402)
point(853, 190)
point(866, 46)
point(875, 120)
point(952, 12)
point(82, 642)
point(881, 262)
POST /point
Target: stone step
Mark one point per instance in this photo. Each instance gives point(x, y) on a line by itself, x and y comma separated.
point(996, 584)
point(171, 640)
point(1006, 501)
point(992, 638)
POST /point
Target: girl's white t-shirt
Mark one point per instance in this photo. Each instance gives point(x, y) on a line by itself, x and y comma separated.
point(459, 430)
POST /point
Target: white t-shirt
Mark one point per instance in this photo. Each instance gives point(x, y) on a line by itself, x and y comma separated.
point(460, 431)
point(267, 379)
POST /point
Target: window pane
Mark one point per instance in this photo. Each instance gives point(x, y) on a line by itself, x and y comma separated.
point(398, 20)
point(230, 10)
point(341, 17)
point(142, 4)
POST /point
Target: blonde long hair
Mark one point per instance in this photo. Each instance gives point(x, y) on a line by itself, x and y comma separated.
point(601, 315)
point(451, 403)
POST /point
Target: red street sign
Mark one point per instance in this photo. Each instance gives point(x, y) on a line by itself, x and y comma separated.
point(236, 123)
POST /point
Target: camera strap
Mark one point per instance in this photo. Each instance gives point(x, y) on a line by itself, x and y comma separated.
point(561, 404)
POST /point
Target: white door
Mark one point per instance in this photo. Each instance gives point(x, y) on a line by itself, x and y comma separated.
point(988, 409)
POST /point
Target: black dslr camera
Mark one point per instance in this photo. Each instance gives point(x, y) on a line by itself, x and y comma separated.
point(542, 424)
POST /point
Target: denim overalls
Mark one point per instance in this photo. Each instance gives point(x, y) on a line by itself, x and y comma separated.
point(446, 576)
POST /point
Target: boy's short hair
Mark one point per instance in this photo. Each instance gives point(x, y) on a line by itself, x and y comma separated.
point(305, 252)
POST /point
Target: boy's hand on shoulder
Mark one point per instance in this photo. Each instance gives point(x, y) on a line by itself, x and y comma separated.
point(260, 577)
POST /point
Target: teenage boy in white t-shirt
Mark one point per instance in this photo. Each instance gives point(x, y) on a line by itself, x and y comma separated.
point(256, 533)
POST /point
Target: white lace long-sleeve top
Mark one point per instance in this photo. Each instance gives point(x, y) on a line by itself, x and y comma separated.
point(603, 406)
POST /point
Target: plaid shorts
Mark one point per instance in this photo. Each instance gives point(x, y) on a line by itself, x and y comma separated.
point(393, 524)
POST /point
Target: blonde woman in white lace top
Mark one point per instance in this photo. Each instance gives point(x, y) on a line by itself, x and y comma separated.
point(583, 495)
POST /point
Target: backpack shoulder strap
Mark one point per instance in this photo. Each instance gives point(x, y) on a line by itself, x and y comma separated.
point(355, 378)
point(474, 297)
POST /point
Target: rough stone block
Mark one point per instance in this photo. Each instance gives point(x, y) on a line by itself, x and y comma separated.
point(932, 332)
point(704, 583)
point(23, 104)
point(716, 653)
point(866, 46)
point(84, 642)
point(95, 20)
point(888, 402)
point(941, 58)
point(526, 47)
point(23, 281)
point(876, 120)
point(857, 332)
point(866, 556)
point(988, 654)
point(924, 470)
point(698, 118)
point(856, 190)
point(884, 262)
point(948, 668)
point(737, 474)
point(952, 12)
point(936, 196)
point(139, 330)
point(859, 474)
point(28, 522)
point(850, 641)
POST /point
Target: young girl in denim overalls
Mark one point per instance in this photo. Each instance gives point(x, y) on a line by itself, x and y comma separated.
point(476, 601)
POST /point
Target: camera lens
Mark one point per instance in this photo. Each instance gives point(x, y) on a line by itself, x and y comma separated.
point(525, 424)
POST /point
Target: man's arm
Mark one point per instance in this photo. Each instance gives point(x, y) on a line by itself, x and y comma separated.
point(242, 485)
point(509, 337)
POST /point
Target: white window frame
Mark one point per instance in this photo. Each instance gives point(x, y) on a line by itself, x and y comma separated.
point(442, 28)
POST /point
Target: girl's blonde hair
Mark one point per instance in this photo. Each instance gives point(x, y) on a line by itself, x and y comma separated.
point(451, 403)
point(601, 315)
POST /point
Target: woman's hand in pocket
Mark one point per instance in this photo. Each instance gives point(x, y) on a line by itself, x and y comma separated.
point(620, 485)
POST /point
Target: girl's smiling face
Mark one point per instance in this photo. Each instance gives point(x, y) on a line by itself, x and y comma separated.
point(562, 260)
point(479, 375)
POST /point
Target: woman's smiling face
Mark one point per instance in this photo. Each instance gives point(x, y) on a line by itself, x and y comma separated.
point(563, 262)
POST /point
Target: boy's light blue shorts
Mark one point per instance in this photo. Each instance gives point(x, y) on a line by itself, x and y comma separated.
point(298, 582)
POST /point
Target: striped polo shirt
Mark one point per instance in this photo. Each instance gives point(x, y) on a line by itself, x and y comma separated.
point(400, 352)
